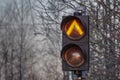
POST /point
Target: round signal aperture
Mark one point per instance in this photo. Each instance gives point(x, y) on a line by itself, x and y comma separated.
point(74, 57)
point(74, 29)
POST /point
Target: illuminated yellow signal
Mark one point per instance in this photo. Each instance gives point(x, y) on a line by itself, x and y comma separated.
point(75, 25)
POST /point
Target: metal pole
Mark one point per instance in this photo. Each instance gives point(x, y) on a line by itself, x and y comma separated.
point(79, 74)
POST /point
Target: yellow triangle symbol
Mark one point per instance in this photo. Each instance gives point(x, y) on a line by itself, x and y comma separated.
point(76, 26)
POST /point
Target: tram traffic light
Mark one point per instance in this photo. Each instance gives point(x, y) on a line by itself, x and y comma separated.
point(75, 43)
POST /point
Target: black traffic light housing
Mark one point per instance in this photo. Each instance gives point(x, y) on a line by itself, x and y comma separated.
point(81, 43)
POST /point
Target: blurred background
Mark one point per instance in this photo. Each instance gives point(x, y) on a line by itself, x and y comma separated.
point(30, 38)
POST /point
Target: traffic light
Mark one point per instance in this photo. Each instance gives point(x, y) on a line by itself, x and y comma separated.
point(75, 43)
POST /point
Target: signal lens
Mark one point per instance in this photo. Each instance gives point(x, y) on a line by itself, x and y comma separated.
point(74, 29)
point(74, 57)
